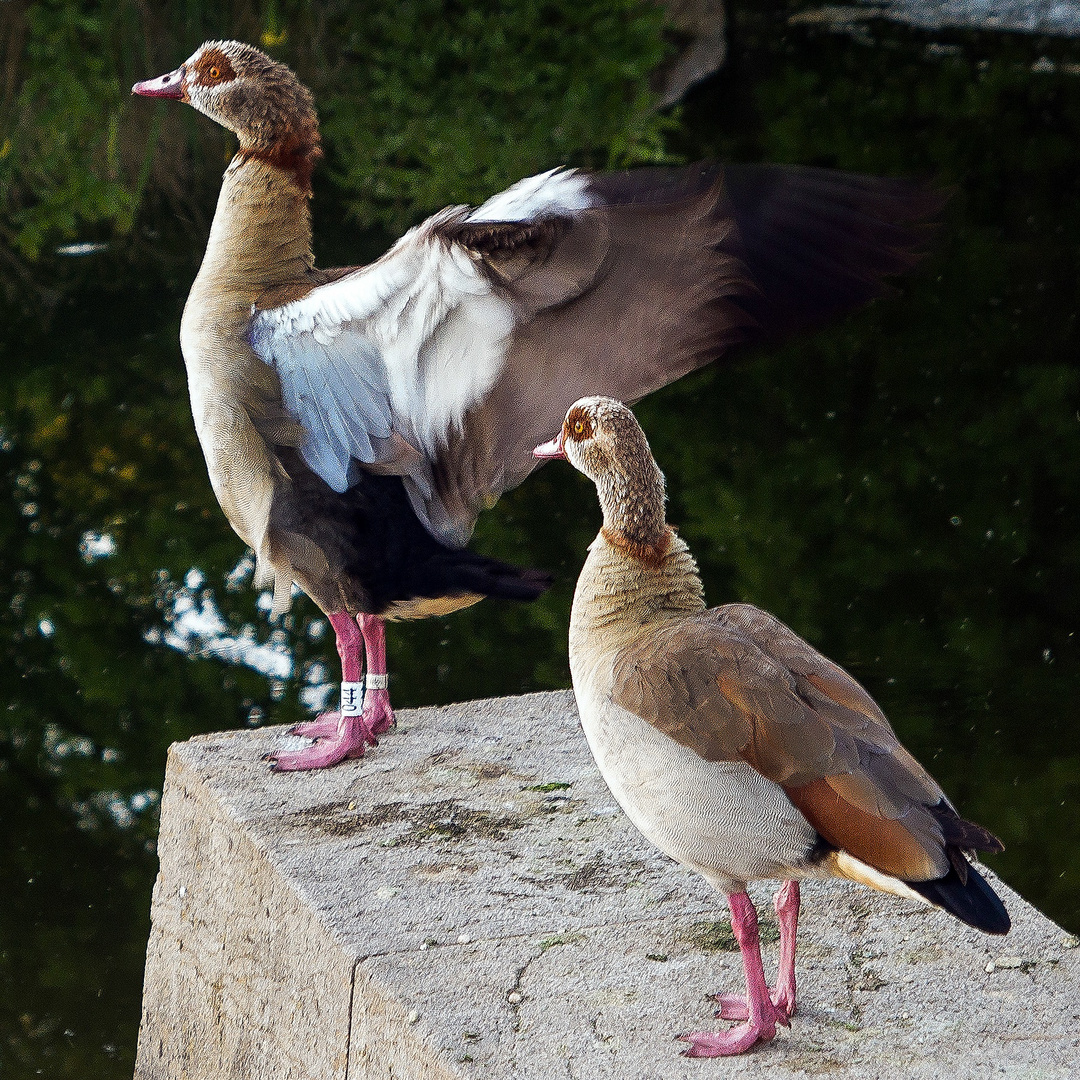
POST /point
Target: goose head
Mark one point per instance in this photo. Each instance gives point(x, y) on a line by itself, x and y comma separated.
point(242, 89)
point(601, 438)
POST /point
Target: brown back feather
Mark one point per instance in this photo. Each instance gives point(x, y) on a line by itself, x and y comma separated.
point(883, 843)
point(736, 684)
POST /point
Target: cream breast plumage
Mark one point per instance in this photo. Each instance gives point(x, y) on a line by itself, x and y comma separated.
point(355, 421)
point(734, 745)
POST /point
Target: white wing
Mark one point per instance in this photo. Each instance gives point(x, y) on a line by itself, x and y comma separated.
point(406, 345)
point(468, 340)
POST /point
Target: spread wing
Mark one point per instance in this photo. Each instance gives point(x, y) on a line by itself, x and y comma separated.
point(735, 684)
point(449, 358)
point(382, 365)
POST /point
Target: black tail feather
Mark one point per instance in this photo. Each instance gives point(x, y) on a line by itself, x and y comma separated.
point(457, 572)
point(492, 577)
point(960, 833)
point(973, 902)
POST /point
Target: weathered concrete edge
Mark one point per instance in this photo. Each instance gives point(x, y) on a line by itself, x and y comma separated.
point(378, 1034)
point(384, 1041)
point(256, 904)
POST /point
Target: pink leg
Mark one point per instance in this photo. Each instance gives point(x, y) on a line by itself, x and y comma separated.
point(378, 715)
point(760, 1025)
point(786, 903)
point(341, 736)
point(733, 1006)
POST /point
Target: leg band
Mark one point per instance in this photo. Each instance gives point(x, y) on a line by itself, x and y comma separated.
point(352, 698)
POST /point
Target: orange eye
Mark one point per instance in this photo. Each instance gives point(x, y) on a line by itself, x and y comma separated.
point(214, 73)
point(579, 427)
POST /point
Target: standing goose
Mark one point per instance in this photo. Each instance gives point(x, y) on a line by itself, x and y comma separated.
point(355, 421)
point(732, 744)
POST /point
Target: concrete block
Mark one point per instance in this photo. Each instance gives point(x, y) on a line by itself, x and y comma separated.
point(468, 902)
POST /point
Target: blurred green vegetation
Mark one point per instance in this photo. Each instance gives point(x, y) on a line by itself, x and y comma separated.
point(423, 102)
point(902, 489)
point(427, 103)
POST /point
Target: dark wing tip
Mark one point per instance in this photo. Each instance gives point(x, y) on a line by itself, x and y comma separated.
point(973, 902)
point(960, 833)
point(540, 580)
point(493, 577)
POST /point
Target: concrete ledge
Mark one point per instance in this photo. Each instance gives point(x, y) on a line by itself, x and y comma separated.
point(447, 908)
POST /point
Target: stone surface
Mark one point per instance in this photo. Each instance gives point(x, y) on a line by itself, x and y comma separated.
point(1031, 16)
point(467, 901)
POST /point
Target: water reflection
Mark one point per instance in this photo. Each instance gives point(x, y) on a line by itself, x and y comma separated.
point(903, 490)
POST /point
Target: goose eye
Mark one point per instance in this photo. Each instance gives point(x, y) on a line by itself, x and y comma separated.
point(214, 73)
point(579, 427)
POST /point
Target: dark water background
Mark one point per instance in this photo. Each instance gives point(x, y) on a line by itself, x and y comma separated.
point(901, 489)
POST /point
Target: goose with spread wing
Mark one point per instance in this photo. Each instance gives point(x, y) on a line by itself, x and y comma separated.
point(734, 745)
point(355, 421)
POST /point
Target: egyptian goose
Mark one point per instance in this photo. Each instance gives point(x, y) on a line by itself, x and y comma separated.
point(735, 746)
point(355, 421)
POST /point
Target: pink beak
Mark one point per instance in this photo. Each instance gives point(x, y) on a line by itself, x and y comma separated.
point(553, 449)
point(166, 86)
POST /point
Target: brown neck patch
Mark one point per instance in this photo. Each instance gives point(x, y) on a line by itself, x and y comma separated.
point(295, 151)
point(651, 554)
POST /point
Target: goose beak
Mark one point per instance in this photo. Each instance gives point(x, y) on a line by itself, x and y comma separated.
point(166, 86)
point(549, 450)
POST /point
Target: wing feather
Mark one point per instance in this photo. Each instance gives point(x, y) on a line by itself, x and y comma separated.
point(473, 334)
point(408, 346)
point(736, 684)
point(321, 449)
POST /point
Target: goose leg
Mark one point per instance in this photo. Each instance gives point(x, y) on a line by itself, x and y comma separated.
point(786, 903)
point(733, 1006)
point(762, 1015)
point(344, 734)
point(378, 716)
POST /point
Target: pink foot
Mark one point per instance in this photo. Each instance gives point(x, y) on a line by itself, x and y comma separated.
point(377, 712)
point(338, 738)
point(758, 1010)
point(734, 1007)
point(340, 735)
point(323, 725)
point(738, 1040)
point(349, 739)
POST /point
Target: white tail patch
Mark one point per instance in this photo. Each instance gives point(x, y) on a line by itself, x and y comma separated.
point(847, 866)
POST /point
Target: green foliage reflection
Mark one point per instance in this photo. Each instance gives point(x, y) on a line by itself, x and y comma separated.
point(902, 489)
